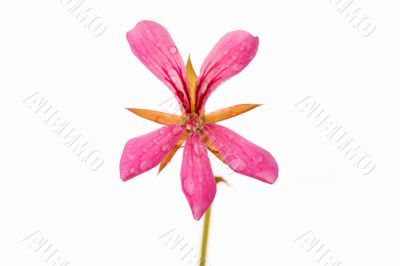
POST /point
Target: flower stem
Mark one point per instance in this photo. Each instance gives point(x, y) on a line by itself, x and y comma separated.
point(205, 237)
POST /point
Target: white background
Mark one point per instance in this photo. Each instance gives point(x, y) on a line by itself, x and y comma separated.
point(307, 48)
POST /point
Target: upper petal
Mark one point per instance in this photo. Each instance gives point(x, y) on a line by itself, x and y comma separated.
point(241, 155)
point(198, 181)
point(145, 152)
point(154, 47)
point(233, 52)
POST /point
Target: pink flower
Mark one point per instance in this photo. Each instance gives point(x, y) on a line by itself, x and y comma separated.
point(153, 46)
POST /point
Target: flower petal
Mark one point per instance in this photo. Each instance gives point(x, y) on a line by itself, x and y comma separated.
point(145, 152)
point(241, 155)
point(154, 47)
point(198, 182)
point(233, 52)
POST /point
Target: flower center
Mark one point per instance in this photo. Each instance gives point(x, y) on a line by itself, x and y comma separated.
point(194, 123)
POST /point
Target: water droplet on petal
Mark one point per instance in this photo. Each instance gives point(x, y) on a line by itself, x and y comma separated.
point(190, 163)
point(145, 165)
point(165, 147)
point(225, 52)
point(162, 131)
point(176, 130)
point(196, 149)
point(130, 157)
point(189, 185)
point(144, 57)
point(238, 164)
point(144, 150)
point(259, 158)
point(172, 50)
point(148, 31)
point(158, 44)
point(230, 136)
point(132, 170)
point(236, 66)
point(157, 140)
point(264, 175)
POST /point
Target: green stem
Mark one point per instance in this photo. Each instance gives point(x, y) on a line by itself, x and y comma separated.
point(205, 237)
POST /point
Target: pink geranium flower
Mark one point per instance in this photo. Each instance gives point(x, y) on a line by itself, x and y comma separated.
point(153, 46)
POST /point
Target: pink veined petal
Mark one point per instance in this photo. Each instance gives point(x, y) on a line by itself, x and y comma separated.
point(241, 155)
point(154, 47)
point(145, 152)
point(198, 181)
point(233, 52)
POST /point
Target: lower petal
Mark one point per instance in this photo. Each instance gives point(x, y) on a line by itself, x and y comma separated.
point(198, 181)
point(241, 155)
point(145, 152)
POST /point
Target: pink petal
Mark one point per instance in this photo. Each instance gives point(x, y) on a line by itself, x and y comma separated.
point(230, 55)
point(145, 152)
point(198, 181)
point(153, 46)
point(241, 155)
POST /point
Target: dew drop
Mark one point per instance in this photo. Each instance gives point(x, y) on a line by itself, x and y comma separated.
point(264, 175)
point(238, 165)
point(157, 141)
point(132, 170)
point(189, 185)
point(165, 147)
point(172, 50)
point(176, 130)
point(190, 163)
point(259, 158)
point(148, 31)
point(196, 149)
point(230, 136)
point(144, 57)
point(145, 165)
point(225, 52)
point(130, 157)
point(236, 66)
point(158, 44)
